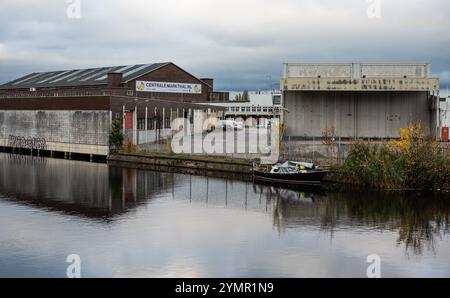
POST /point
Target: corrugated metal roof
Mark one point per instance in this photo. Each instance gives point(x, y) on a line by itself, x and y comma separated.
point(80, 77)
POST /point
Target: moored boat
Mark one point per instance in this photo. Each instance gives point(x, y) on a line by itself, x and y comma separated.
point(290, 172)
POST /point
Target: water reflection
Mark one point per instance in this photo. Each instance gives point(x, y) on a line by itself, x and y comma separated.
point(79, 188)
point(419, 219)
point(103, 193)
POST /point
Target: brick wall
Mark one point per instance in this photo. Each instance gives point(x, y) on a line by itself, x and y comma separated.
point(172, 73)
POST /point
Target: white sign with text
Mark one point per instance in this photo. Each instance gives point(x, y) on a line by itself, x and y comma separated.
point(168, 87)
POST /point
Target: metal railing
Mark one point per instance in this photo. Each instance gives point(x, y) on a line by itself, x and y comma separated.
point(66, 93)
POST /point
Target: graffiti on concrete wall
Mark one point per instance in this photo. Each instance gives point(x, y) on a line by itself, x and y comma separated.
point(28, 143)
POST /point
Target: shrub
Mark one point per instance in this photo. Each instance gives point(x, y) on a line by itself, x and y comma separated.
point(373, 165)
point(116, 135)
point(426, 165)
point(131, 148)
point(413, 161)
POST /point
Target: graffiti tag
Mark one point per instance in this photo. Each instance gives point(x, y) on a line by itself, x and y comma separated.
point(28, 143)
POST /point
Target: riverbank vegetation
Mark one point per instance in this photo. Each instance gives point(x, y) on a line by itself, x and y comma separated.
point(116, 135)
point(414, 161)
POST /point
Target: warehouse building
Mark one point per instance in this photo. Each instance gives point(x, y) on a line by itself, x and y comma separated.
point(72, 111)
point(356, 100)
point(261, 106)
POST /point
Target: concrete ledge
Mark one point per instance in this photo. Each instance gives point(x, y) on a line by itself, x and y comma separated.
point(70, 148)
point(209, 164)
point(78, 148)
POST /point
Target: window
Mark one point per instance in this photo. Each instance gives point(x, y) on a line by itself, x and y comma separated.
point(276, 100)
point(150, 124)
point(167, 124)
point(141, 124)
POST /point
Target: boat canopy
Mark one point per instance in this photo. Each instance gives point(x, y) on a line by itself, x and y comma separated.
point(294, 164)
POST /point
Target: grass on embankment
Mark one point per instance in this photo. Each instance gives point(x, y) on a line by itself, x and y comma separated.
point(413, 162)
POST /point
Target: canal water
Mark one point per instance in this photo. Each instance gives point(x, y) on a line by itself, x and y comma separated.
point(126, 222)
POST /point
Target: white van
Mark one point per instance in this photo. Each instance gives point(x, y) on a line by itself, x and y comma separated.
point(231, 124)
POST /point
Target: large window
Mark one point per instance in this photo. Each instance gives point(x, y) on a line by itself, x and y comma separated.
point(276, 100)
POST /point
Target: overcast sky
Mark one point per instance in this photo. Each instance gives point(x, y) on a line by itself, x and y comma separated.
point(240, 43)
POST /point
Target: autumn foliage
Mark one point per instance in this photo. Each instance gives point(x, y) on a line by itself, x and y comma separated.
point(414, 161)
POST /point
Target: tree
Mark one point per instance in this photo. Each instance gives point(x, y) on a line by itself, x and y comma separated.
point(245, 96)
point(116, 135)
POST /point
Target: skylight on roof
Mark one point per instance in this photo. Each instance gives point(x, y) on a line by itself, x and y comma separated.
point(118, 70)
point(27, 79)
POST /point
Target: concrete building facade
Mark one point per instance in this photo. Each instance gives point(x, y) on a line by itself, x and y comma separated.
point(358, 100)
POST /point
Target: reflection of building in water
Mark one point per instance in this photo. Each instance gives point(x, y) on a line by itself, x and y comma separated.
point(49, 183)
point(75, 187)
point(101, 191)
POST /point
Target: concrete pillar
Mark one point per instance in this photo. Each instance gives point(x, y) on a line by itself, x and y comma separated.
point(438, 117)
point(123, 118)
point(135, 130)
point(146, 124)
point(155, 122)
point(110, 120)
point(164, 118)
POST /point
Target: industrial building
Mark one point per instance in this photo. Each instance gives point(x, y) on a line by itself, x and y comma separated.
point(71, 111)
point(261, 106)
point(359, 100)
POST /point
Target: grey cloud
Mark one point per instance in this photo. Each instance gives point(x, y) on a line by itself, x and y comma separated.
point(238, 43)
